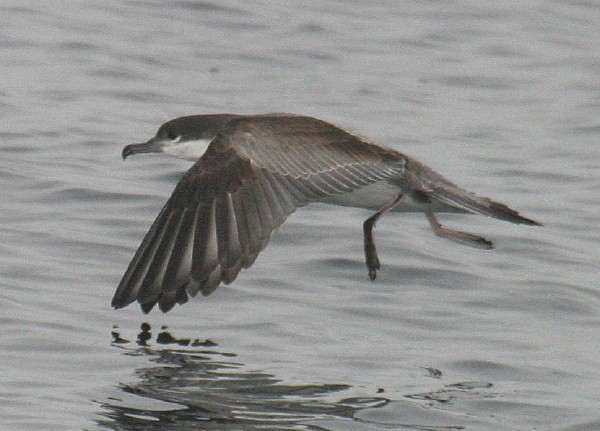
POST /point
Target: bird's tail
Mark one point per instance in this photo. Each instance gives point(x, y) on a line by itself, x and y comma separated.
point(457, 197)
point(437, 187)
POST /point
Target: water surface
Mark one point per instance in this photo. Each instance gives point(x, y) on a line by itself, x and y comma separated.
point(502, 98)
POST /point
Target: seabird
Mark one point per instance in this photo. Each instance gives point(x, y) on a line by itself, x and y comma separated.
point(250, 173)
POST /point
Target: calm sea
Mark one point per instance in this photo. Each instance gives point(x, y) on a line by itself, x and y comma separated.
point(500, 97)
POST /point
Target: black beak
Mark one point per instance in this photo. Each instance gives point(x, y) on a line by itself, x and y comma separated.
point(152, 146)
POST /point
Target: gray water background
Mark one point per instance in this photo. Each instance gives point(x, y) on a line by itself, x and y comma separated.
point(501, 97)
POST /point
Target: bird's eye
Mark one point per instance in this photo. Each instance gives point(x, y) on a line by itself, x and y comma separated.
point(172, 136)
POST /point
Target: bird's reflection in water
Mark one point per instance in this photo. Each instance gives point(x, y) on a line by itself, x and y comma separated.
point(195, 386)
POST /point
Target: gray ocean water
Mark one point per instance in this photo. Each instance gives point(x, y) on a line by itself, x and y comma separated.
point(501, 97)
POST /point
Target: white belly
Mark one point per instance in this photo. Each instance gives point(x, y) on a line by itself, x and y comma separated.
point(373, 196)
point(376, 195)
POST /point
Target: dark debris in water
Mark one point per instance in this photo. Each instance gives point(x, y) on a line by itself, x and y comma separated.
point(144, 338)
point(451, 391)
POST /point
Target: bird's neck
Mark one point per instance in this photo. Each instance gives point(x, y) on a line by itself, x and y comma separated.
point(187, 150)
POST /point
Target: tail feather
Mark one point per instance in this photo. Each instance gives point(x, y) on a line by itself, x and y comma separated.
point(455, 196)
point(435, 186)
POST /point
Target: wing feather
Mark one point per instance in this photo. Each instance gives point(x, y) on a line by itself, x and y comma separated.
point(157, 264)
point(129, 287)
point(205, 255)
point(180, 263)
point(223, 211)
point(228, 242)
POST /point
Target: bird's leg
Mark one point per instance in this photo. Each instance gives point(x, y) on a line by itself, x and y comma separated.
point(371, 258)
point(457, 236)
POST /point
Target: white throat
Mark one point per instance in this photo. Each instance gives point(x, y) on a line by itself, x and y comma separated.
point(187, 150)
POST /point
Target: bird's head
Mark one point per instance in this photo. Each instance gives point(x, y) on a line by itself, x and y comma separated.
point(184, 137)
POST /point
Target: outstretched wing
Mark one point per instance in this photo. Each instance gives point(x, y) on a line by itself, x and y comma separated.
point(223, 211)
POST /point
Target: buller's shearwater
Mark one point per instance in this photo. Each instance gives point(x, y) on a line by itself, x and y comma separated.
point(250, 173)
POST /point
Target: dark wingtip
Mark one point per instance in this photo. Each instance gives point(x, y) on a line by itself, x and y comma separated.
point(166, 306)
point(166, 303)
point(116, 303)
point(120, 300)
point(147, 306)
